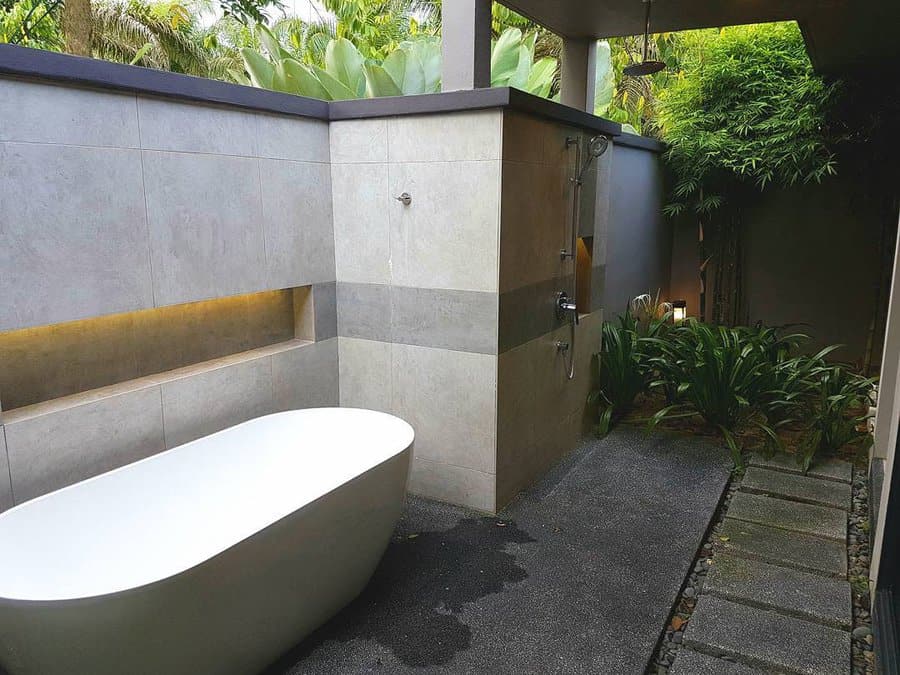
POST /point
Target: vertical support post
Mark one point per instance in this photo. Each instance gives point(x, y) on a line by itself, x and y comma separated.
point(890, 360)
point(466, 44)
point(578, 73)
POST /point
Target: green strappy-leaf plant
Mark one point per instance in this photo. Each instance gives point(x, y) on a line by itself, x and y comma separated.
point(622, 373)
point(717, 374)
point(836, 413)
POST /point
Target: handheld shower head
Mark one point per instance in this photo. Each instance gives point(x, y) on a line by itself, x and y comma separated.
point(596, 147)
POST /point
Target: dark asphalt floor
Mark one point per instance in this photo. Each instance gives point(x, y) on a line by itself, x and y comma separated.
point(576, 576)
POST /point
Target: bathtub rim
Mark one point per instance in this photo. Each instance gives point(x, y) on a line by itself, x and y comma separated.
point(12, 601)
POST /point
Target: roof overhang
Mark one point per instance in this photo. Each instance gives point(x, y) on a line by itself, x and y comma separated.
point(841, 35)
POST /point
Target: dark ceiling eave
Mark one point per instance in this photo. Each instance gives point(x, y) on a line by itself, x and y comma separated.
point(843, 37)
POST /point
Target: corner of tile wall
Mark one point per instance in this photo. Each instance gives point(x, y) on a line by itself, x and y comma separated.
point(6, 494)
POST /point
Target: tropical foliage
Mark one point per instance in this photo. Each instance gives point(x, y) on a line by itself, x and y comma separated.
point(837, 412)
point(751, 111)
point(622, 373)
point(718, 374)
point(413, 67)
point(735, 380)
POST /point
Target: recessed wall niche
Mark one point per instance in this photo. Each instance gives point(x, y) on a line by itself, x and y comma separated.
point(584, 261)
point(47, 362)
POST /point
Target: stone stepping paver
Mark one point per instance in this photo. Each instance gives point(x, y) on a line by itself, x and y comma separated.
point(821, 521)
point(829, 469)
point(792, 549)
point(689, 662)
point(766, 640)
point(786, 591)
point(800, 488)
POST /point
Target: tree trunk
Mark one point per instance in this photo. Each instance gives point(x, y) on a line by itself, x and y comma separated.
point(728, 291)
point(76, 25)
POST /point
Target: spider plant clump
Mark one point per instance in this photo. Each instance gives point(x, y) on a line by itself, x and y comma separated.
point(717, 374)
point(625, 358)
point(787, 379)
point(837, 411)
point(735, 380)
point(622, 372)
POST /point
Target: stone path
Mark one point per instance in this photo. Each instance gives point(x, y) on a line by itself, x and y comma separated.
point(776, 598)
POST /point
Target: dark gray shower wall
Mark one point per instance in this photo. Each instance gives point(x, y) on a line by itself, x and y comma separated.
point(639, 241)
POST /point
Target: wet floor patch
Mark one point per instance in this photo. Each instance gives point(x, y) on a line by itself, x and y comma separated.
point(413, 604)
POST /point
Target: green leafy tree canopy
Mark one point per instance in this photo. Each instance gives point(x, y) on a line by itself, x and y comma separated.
point(745, 108)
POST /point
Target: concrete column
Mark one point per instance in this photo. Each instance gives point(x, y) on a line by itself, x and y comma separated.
point(888, 413)
point(578, 73)
point(884, 416)
point(466, 44)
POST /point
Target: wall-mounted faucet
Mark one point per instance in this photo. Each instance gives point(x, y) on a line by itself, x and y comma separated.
point(565, 306)
point(404, 199)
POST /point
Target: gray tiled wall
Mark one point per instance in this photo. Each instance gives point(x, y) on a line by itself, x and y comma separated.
point(148, 202)
point(114, 202)
point(447, 312)
point(440, 311)
point(61, 442)
point(417, 287)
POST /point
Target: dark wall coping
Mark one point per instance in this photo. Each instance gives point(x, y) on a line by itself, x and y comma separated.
point(640, 142)
point(30, 63)
point(99, 74)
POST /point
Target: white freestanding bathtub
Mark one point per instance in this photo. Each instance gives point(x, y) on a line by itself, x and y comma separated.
point(211, 558)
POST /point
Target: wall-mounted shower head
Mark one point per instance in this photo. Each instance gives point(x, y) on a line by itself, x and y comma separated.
point(596, 147)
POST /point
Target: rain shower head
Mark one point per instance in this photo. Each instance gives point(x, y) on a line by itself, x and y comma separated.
point(646, 66)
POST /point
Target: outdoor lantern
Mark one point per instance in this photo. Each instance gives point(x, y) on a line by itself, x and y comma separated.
point(679, 310)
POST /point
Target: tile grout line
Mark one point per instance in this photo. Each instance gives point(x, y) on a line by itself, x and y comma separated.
point(262, 223)
point(137, 111)
point(202, 153)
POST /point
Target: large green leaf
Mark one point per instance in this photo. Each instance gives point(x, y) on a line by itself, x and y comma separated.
point(505, 57)
point(540, 79)
point(260, 70)
point(604, 79)
point(336, 89)
point(239, 76)
point(295, 78)
point(428, 51)
point(519, 78)
point(406, 70)
point(379, 82)
point(270, 43)
point(344, 63)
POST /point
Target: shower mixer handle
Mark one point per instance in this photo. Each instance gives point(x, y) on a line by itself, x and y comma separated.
point(565, 306)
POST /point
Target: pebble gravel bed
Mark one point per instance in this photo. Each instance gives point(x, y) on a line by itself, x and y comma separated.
point(671, 639)
point(858, 552)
